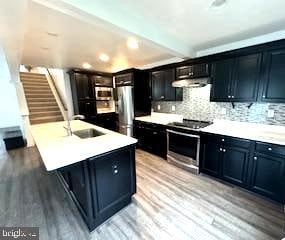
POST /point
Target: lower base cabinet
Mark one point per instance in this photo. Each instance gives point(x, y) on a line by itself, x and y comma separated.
point(151, 138)
point(268, 176)
point(249, 164)
point(101, 186)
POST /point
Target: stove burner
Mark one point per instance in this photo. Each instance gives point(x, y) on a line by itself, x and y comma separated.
point(191, 124)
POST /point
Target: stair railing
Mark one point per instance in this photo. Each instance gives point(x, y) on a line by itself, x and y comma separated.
point(62, 106)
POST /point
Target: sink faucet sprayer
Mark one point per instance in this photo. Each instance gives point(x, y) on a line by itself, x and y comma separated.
point(75, 117)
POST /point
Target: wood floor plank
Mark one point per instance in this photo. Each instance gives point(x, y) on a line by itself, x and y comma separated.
point(170, 204)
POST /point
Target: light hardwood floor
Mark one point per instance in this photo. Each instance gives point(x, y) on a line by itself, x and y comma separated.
point(170, 204)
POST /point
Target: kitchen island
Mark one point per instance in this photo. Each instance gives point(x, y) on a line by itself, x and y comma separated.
point(96, 166)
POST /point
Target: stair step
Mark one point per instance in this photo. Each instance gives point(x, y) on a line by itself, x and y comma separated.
point(34, 83)
point(45, 114)
point(42, 104)
point(38, 91)
point(33, 78)
point(43, 109)
point(45, 120)
point(31, 74)
point(35, 95)
point(41, 100)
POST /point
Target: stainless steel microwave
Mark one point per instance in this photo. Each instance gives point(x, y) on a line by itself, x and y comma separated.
point(104, 93)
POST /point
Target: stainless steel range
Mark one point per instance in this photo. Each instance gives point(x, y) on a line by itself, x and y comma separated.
point(183, 144)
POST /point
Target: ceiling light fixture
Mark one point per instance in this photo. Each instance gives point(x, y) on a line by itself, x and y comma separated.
point(218, 3)
point(132, 43)
point(86, 65)
point(104, 57)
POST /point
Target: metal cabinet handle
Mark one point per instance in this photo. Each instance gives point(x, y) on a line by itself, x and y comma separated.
point(221, 149)
point(162, 97)
point(223, 139)
point(154, 133)
point(233, 96)
point(229, 96)
point(224, 150)
point(269, 149)
point(255, 158)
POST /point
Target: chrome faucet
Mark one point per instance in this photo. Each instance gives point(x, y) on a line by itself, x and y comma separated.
point(75, 117)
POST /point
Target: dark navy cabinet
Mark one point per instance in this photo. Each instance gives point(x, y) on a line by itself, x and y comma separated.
point(273, 84)
point(102, 185)
point(256, 166)
point(236, 79)
point(151, 137)
point(162, 89)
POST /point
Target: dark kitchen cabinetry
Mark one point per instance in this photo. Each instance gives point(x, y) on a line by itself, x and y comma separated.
point(268, 171)
point(162, 89)
point(140, 81)
point(101, 186)
point(236, 79)
point(151, 137)
point(273, 84)
point(107, 120)
point(259, 167)
point(83, 85)
point(225, 157)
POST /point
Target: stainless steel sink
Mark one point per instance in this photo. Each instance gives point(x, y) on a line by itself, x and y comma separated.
point(88, 133)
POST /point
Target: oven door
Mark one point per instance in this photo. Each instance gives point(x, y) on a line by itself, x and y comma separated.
point(183, 147)
point(103, 93)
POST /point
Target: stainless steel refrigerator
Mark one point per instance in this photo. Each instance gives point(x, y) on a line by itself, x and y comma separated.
point(125, 109)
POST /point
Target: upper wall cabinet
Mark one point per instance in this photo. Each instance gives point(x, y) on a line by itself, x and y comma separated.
point(273, 80)
point(162, 89)
point(236, 79)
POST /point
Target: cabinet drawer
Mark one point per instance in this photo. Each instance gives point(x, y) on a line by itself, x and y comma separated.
point(268, 148)
point(225, 140)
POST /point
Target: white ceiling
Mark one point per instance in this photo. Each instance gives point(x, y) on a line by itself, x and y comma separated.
point(166, 29)
point(79, 41)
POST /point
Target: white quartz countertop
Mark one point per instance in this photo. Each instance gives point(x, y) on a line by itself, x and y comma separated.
point(58, 150)
point(161, 118)
point(252, 131)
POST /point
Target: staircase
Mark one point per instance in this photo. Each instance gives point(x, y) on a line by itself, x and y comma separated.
point(42, 104)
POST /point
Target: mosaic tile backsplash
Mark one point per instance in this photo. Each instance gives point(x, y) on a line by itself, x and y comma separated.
point(196, 105)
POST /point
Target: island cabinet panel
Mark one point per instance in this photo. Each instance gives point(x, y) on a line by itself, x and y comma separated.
point(102, 185)
point(114, 177)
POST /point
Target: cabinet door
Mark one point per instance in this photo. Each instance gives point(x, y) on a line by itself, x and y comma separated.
point(221, 77)
point(82, 86)
point(87, 108)
point(268, 176)
point(79, 186)
point(273, 78)
point(211, 156)
point(113, 177)
point(158, 141)
point(235, 164)
point(158, 86)
point(169, 91)
point(246, 77)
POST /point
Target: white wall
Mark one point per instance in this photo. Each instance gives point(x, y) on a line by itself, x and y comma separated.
point(9, 109)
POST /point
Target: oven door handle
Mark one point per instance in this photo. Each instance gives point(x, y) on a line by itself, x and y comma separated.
point(183, 134)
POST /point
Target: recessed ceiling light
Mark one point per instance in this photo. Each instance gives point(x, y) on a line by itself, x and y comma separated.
point(45, 48)
point(52, 34)
point(104, 57)
point(218, 3)
point(86, 65)
point(132, 43)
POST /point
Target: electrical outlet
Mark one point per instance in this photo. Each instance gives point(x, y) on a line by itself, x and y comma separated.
point(158, 107)
point(173, 108)
point(270, 113)
point(224, 111)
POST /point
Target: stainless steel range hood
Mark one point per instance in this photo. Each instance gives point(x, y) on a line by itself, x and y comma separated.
point(191, 83)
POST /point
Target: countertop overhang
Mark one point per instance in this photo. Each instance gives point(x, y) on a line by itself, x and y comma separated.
point(59, 150)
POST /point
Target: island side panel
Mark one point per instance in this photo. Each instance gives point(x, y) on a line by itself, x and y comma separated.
point(102, 185)
point(113, 180)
